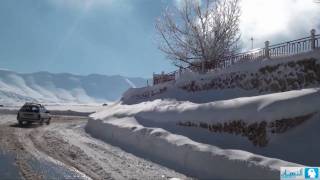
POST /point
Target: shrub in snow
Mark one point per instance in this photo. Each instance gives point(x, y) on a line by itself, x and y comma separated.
point(283, 125)
point(256, 132)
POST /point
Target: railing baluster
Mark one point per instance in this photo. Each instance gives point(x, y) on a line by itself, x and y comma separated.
point(293, 49)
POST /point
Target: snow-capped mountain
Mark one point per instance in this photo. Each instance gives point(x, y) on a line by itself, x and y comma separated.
point(49, 87)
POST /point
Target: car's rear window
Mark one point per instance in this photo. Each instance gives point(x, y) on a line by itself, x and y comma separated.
point(30, 109)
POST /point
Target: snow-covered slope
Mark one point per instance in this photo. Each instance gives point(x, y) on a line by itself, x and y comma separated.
point(267, 108)
point(251, 118)
point(240, 80)
point(250, 135)
point(48, 87)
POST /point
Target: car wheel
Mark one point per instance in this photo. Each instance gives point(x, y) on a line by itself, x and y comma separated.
point(48, 121)
point(21, 123)
point(41, 122)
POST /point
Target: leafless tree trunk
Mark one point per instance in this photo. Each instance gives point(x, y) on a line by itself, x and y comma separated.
point(200, 31)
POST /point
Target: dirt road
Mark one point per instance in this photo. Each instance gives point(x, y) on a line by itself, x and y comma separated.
point(62, 150)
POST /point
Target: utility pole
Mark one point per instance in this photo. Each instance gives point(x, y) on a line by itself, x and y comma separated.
point(251, 42)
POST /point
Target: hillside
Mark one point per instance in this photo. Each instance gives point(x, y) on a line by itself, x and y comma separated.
point(253, 118)
point(251, 134)
point(245, 79)
point(49, 87)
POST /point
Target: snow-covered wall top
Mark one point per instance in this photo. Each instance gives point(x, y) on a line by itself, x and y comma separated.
point(246, 79)
point(48, 87)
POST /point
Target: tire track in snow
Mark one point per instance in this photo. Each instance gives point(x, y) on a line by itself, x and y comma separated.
point(64, 142)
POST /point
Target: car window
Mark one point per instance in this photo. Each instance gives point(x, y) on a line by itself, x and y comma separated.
point(35, 109)
point(30, 109)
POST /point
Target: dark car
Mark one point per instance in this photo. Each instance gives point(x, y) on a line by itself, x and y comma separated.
point(32, 112)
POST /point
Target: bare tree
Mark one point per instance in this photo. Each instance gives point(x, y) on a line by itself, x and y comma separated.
point(200, 31)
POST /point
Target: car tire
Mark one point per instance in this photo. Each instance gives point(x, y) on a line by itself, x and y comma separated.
point(41, 121)
point(48, 121)
point(20, 123)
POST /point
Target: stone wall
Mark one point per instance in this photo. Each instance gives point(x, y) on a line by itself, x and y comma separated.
point(271, 77)
point(276, 78)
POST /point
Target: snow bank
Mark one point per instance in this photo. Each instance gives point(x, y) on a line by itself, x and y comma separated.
point(182, 154)
point(268, 107)
point(123, 125)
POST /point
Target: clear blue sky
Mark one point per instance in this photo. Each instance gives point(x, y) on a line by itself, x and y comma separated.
point(80, 36)
point(118, 36)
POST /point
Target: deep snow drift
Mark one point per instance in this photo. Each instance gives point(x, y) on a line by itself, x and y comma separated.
point(170, 132)
point(48, 87)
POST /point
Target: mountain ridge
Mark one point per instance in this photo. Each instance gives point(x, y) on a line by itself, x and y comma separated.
point(49, 87)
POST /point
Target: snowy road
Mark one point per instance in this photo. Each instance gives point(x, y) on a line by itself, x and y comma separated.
point(63, 150)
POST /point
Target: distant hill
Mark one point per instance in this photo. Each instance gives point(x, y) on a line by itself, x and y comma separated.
point(64, 87)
